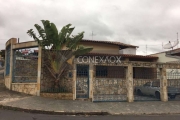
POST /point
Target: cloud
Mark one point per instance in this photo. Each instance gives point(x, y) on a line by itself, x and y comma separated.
point(136, 22)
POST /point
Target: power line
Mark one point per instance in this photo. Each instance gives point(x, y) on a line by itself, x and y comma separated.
point(149, 45)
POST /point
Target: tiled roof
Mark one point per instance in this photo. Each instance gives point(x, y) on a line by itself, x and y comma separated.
point(110, 42)
point(174, 51)
point(123, 55)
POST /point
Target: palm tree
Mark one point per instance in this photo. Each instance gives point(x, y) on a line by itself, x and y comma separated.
point(60, 46)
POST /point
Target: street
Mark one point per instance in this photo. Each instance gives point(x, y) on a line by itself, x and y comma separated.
point(16, 115)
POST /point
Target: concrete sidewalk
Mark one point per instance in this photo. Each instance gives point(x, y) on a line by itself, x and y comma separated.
point(47, 105)
point(23, 102)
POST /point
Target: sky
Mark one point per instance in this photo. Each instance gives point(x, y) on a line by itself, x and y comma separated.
point(149, 24)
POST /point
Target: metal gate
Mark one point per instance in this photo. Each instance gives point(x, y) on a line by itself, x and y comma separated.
point(82, 81)
point(173, 87)
point(146, 84)
point(109, 84)
point(25, 63)
point(8, 54)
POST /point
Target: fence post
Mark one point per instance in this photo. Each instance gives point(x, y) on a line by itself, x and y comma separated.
point(91, 66)
point(39, 70)
point(5, 68)
point(12, 42)
point(129, 83)
point(163, 84)
point(74, 81)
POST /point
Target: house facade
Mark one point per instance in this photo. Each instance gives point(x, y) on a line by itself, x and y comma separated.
point(110, 72)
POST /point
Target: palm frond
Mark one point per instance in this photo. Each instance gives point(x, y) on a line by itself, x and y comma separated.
point(33, 35)
point(82, 50)
point(74, 42)
point(56, 59)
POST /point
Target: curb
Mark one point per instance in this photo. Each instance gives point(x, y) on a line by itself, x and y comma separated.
point(139, 114)
point(52, 112)
point(80, 113)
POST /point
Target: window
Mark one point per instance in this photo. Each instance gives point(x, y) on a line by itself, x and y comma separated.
point(101, 71)
point(144, 73)
point(110, 71)
point(82, 70)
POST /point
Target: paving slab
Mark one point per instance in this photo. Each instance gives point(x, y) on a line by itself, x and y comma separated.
point(113, 108)
point(23, 102)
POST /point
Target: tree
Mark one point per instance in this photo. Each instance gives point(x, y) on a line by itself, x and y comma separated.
point(2, 53)
point(61, 47)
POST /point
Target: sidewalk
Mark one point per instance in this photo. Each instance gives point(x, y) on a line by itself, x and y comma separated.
point(23, 102)
point(39, 104)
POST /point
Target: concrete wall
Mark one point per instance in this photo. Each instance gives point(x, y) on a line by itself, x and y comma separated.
point(62, 96)
point(25, 45)
point(28, 88)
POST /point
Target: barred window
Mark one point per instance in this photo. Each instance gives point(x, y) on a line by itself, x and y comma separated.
point(82, 70)
point(101, 71)
point(110, 71)
point(145, 73)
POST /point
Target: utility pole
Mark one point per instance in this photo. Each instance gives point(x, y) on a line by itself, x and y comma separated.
point(92, 35)
point(177, 39)
point(146, 49)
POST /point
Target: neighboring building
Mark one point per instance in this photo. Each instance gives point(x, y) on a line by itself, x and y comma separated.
point(170, 56)
point(109, 48)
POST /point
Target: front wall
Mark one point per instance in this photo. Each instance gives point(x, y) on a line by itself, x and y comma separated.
point(110, 86)
point(28, 88)
point(47, 82)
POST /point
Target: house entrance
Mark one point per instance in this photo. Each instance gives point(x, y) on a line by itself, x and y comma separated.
point(82, 81)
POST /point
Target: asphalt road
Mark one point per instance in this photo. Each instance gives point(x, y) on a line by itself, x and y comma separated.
point(16, 115)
